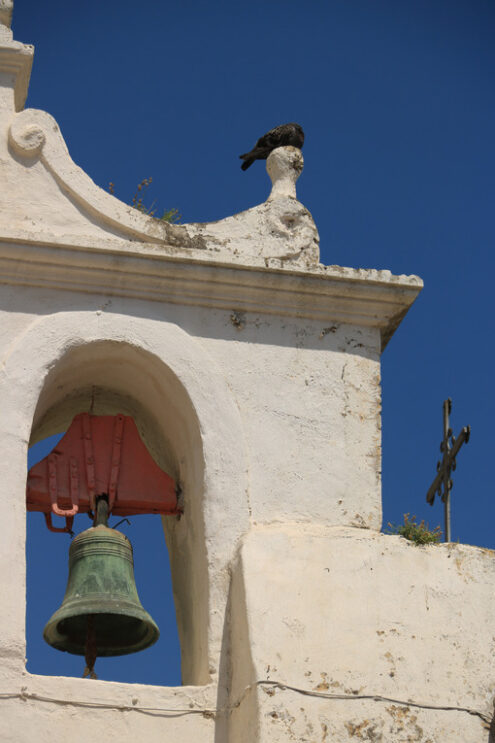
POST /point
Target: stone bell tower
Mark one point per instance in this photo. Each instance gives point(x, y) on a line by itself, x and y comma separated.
point(253, 375)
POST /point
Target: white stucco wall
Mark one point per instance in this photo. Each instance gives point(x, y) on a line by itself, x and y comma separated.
point(253, 373)
point(379, 639)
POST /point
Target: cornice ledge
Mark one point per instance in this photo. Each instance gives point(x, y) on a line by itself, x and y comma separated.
point(324, 294)
point(195, 250)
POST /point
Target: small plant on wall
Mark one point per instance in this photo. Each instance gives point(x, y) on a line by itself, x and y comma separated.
point(417, 533)
point(171, 216)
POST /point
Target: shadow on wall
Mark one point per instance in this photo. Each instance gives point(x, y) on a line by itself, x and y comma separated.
point(230, 324)
point(237, 696)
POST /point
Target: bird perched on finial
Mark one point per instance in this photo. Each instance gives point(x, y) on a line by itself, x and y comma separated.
point(282, 136)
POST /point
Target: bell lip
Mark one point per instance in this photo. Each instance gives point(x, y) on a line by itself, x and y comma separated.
point(56, 639)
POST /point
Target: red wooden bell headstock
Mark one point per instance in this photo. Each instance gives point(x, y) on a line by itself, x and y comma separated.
point(100, 455)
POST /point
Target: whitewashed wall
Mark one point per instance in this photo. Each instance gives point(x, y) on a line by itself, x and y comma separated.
point(253, 373)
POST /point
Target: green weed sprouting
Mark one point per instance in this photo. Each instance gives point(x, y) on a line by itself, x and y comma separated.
point(417, 533)
point(171, 216)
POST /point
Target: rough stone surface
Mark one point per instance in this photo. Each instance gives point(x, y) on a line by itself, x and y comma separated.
point(377, 624)
point(253, 374)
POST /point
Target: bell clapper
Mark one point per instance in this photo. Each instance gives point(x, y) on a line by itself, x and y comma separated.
point(91, 649)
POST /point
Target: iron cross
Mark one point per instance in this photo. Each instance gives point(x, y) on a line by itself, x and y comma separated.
point(442, 484)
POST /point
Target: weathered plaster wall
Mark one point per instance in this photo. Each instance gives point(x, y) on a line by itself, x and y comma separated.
point(59, 710)
point(295, 596)
point(375, 621)
point(310, 406)
point(267, 398)
point(253, 374)
point(315, 388)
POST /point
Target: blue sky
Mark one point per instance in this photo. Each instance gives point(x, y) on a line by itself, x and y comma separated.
point(396, 99)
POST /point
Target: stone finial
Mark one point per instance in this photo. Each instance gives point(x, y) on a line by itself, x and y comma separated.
point(6, 8)
point(284, 166)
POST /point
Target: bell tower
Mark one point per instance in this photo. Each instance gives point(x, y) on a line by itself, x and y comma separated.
point(252, 374)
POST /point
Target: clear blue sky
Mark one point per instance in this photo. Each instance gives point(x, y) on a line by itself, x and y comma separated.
point(397, 102)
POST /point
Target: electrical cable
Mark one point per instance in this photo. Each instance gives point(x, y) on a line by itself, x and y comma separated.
point(206, 712)
point(377, 698)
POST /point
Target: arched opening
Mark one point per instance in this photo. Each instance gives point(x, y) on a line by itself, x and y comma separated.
point(178, 394)
point(107, 378)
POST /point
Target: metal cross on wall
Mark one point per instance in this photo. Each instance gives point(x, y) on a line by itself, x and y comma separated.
point(442, 484)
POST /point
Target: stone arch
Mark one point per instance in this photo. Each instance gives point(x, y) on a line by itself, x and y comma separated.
point(157, 373)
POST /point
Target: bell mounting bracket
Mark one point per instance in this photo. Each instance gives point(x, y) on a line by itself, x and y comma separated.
point(100, 455)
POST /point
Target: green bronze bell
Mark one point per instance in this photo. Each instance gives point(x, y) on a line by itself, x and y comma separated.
point(101, 605)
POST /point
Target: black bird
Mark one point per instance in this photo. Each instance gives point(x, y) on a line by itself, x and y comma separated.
point(282, 136)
